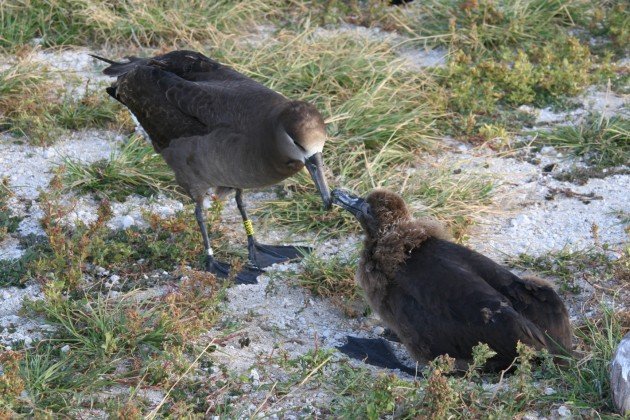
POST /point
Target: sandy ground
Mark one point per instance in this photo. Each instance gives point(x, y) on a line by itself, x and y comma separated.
point(279, 316)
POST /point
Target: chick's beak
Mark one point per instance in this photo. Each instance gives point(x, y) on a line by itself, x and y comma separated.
point(315, 167)
point(352, 203)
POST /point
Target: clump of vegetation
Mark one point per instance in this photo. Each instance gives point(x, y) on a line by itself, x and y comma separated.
point(539, 75)
point(134, 169)
point(600, 140)
point(84, 22)
point(32, 105)
point(11, 383)
point(101, 341)
point(585, 381)
point(69, 248)
point(482, 26)
point(8, 222)
point(592, 264)
point(333, 278)
point(611, 19)
point(437, 393)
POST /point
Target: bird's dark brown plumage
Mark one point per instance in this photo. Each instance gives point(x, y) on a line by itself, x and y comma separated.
point(442, 298)
point(217, 128)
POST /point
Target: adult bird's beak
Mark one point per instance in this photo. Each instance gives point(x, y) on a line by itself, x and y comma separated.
point(315, 167)
point(355, 205)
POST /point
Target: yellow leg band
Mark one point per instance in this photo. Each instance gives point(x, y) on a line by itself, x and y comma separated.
point(249, 228)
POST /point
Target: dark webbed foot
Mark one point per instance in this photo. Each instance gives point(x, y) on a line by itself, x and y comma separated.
point(247, 275)
point(267, 255)
point(374, 351)
point(218, 268)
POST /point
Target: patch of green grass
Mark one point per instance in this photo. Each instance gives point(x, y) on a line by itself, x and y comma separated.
point(96, 335)
point(539, 75)
point(599, 140)
point(8, 222)
point(585, 382)
point(359, 83)
point(566, 266)
point(133, 169)
point(454, 197)
point(480, 26)
point(33, 105)
point(168, 242)
point(147, 23)
point(333, 278)
point(610, 19)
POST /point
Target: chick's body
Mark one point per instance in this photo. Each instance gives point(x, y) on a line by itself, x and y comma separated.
point(443, 298)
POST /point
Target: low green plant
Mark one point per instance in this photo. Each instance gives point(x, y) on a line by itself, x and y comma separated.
point(482, 26)
point(8, 222)
point(133, 169)
point(32, 105)
point(95, 335)
point(601, 141)
point(585, 382)
point(148, 23)
point(610, 19)
point(69, 248)
point(333, 278)
point(567, 265)
point(540, 75)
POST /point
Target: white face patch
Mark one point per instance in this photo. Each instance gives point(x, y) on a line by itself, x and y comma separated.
point(313, 150)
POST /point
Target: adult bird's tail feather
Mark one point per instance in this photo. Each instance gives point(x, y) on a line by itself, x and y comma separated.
point(118, 68)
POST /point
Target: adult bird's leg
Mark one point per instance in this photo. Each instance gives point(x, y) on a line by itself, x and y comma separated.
point(261, 256)
point(213, 266)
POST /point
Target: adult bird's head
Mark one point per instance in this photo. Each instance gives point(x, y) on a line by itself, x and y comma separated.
point(300, 136)
point(378, 212)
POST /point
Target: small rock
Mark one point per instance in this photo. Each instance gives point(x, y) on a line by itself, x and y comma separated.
point(254, 375)
point(28, 341)
point(126, 222)
point(6, 295)
point(378, 330)
point(549, 391)
point(563, 411)
point(101, 271)
point(114, 279)
point(65, 349)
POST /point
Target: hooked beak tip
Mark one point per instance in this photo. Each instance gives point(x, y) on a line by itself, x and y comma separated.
point(315, 167)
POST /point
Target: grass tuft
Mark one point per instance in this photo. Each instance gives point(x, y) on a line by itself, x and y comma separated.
point(333, 278)
point(566, 266)
point(585, 381)
point(134, 169)
point(36, 106)
point(484, 25)
point(599, 140)
point(147, 23)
